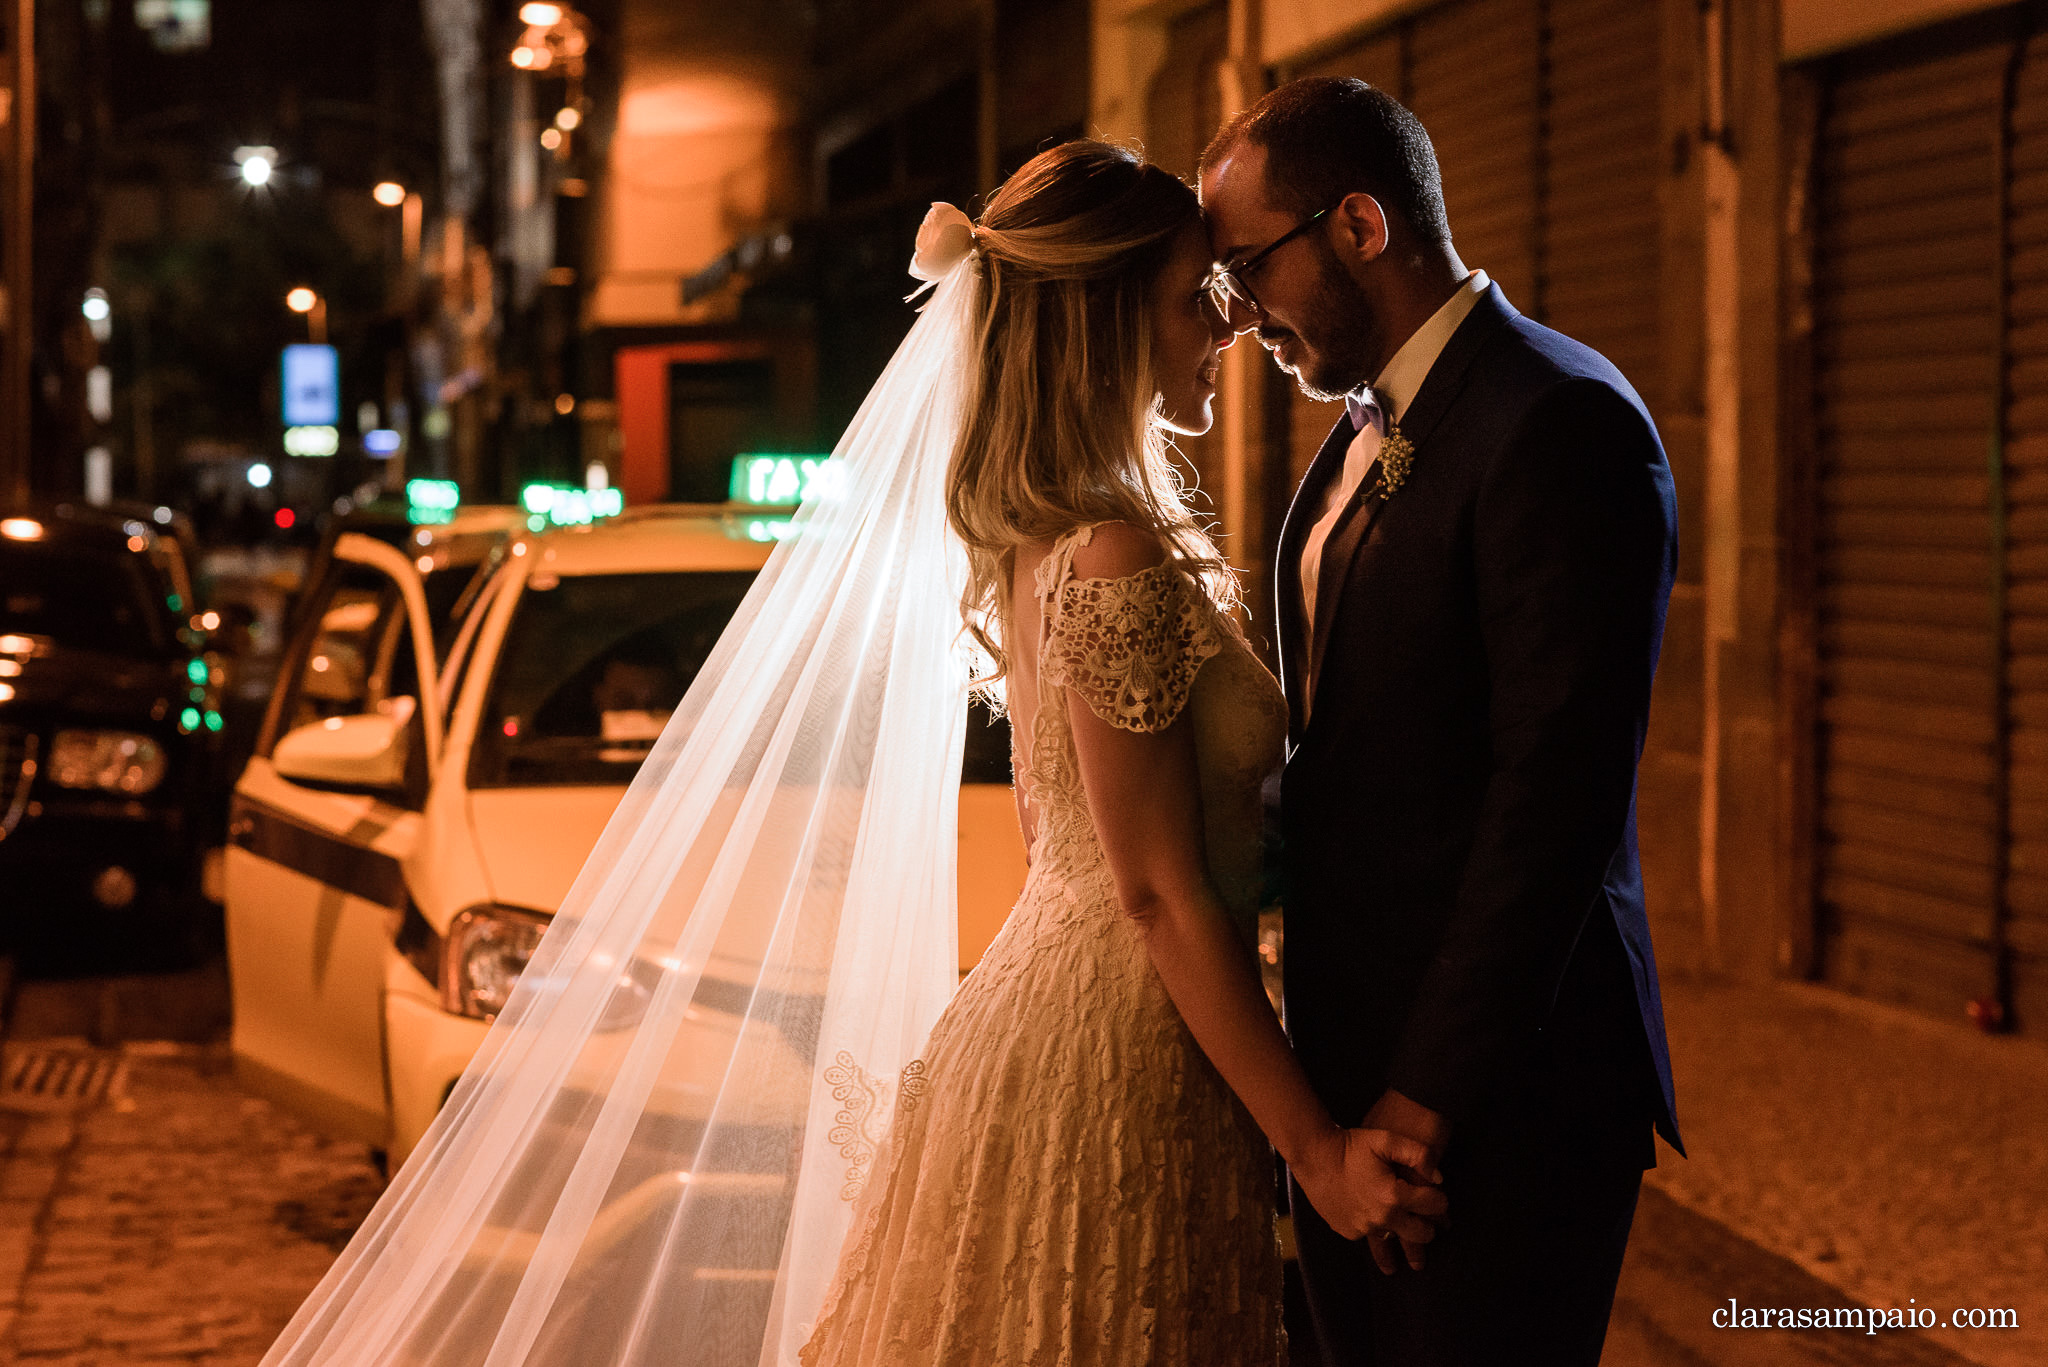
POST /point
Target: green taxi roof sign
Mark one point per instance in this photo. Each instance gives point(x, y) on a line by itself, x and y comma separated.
point(768, 480)
point(431, 501)
point(563, 505)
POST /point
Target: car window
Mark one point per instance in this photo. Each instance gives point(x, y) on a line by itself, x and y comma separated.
point(451, 590)
point(360, 658)
point(987, 759)
point(591, 667)
point(461, 651)
point(90, 600)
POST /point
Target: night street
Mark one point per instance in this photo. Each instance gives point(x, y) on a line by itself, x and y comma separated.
point(963, 619)
point(151, 1211)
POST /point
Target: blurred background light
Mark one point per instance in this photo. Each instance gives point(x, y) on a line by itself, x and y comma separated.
point(257, 164)
point(316, 439)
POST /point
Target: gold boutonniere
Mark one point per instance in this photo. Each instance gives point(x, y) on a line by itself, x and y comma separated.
point(1397, 455)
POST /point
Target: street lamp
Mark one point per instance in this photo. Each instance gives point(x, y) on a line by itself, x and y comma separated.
point(256, 165)
point(540, 15)
point(389, 193)
point(310, 303)
point(99, 313)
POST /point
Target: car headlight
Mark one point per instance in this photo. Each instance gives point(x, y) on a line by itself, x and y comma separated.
point(485, 952)
point(488, 947)
point(117, 761)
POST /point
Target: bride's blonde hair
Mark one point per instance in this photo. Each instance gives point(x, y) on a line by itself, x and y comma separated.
point(1062, 424)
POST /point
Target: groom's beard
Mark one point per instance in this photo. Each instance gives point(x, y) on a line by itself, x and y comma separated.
point(1339, 337)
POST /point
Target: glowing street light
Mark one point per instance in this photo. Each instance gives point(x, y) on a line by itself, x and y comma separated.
point(257, 165)
point(309, 302)
point(540, 15)
point(389, 193)
point(259, 476)
point(568, 117)
point(96, 308)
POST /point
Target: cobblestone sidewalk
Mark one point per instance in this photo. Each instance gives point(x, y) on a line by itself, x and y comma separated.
point(1900, 1159)
point(175, 1220)
point(162, 1215)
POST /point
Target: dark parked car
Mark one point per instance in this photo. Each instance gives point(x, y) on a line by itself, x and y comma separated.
point(109, 730)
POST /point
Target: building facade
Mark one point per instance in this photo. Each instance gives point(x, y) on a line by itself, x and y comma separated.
point(765, 177)
point(1809, 234)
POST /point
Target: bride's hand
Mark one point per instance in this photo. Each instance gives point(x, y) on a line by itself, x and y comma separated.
point(1358, 1187)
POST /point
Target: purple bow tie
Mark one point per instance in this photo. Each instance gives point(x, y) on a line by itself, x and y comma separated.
point(1361, 405)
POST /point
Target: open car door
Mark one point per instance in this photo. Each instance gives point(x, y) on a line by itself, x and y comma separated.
point(327, 808)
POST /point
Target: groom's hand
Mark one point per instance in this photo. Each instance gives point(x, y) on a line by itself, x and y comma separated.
point(1375, 1185)
point(1412, 1120)
point(1398, 1113)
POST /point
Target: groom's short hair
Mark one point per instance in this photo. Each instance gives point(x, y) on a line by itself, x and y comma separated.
point(1326, 137)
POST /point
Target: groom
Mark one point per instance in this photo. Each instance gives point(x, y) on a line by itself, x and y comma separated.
point(1472, 582)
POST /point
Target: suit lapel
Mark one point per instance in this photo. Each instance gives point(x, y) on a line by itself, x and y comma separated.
point(1344, 539)
point(1445, 380)
point(1301, 516)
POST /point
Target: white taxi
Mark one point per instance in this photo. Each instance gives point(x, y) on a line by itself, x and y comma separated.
point(408, 823)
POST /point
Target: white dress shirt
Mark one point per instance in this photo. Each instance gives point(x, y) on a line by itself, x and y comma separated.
point(1386, 401)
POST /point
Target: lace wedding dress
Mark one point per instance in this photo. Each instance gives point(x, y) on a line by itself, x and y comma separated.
point(1066, 1180)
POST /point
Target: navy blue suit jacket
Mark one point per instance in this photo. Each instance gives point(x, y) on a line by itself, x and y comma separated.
point(1464, 901)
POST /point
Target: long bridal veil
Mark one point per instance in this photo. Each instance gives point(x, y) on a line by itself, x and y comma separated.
point(653, 1155)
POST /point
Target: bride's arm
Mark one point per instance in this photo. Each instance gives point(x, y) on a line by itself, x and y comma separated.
point(1143, 792)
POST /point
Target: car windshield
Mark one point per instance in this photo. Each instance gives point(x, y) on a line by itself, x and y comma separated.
point(105, 601)
point(591, 668)
point(593, 665)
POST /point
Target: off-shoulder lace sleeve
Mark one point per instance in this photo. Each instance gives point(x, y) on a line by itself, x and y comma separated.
point(1131, 646)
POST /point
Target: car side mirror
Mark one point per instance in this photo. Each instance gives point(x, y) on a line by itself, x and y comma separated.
point(364, 751)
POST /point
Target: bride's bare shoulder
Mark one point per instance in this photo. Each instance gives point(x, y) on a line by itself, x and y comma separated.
point(1112, 550)
point(1116, 549)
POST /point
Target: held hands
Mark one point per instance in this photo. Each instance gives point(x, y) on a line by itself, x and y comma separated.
point(1360, 1184)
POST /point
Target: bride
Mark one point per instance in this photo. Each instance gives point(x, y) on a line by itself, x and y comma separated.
point(733, 1113)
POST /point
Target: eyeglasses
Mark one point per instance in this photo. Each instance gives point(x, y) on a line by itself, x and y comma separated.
point(1227, 284)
